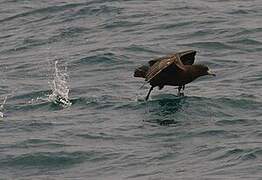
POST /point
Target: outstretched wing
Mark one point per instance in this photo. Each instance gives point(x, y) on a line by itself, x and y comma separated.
point(187, 57)
point(161, 65)
point(152, 62)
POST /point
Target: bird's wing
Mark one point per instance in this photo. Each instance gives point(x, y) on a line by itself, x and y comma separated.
point(152, 62)
point(187, 57)
point(160, 65)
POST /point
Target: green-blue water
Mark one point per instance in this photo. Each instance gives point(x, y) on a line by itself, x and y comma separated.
point(109, 131)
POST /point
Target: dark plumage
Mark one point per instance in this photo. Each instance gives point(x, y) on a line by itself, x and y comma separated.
point(174, 70)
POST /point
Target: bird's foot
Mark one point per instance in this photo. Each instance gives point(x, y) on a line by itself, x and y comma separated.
point(181, 94)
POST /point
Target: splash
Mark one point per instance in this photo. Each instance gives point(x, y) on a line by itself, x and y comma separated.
point(60, 87)
point(2, 107)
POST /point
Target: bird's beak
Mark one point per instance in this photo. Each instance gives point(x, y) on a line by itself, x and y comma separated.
point(211, 73)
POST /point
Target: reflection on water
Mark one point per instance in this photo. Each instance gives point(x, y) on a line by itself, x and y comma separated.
point(163, 110)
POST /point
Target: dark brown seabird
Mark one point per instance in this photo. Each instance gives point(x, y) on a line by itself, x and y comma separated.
point(174, 70)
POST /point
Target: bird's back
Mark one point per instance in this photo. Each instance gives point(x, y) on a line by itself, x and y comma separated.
point(162, 68)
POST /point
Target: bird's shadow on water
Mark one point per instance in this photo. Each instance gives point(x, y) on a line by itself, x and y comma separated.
point(165, 110)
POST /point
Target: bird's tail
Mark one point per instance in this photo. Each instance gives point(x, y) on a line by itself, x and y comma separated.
point(141, 71)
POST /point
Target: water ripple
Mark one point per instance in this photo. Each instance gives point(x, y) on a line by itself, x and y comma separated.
point(213, 132)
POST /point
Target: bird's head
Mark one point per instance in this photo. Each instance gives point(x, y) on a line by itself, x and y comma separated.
point(203, 70)
point(141, 71)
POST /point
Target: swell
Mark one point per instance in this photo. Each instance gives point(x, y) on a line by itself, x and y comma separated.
point(49, 9)
point(51, 160)
point(109, 128)
point(161, 99)
point(75, 10)
point(214, 45)
point(60, 35)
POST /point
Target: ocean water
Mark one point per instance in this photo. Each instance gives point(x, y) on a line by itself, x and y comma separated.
point(70, 107)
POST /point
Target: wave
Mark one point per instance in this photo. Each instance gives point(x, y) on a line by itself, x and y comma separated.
point(209, 45)
point(246, 41)
point(49, 160)
point(105, 58)
point(237, 154)
point(45, 10)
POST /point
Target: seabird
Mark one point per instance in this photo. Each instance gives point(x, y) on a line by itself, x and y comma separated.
point(173, 70)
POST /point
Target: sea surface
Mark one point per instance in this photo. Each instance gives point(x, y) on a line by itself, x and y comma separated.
point(70, 107)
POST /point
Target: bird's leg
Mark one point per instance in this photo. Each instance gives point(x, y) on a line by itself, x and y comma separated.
point(160, 87)
point(183, 88)
point(147, 96)
point(179, 89)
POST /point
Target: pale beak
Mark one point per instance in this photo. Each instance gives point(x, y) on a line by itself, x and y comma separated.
point(211, 73)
